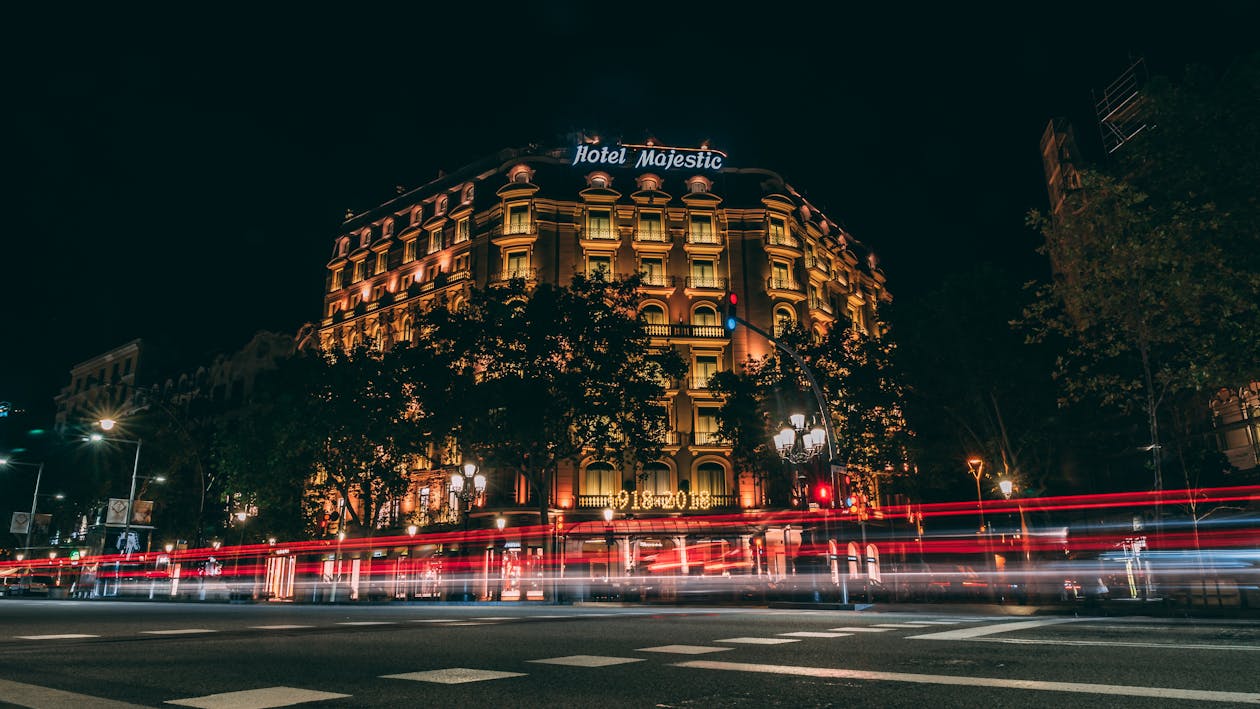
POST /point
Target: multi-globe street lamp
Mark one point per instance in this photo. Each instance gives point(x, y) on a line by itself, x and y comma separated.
point(797, 445)
point(466, 486)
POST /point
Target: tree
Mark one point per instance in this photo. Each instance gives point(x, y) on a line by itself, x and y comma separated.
point(551, 374)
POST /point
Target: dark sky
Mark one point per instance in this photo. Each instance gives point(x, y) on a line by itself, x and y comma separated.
point(181, 177)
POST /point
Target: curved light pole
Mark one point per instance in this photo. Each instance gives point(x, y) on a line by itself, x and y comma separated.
point(108, 425)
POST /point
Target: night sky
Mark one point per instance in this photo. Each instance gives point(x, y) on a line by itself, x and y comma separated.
point(181, 178)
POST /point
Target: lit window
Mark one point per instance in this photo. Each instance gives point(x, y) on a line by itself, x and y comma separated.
point(654, 314)
point(461, 264)
point(601, 479)
point(710, 478)
point(599, 224)
point(651, 225)
point(778, 230)
point(382, 262)
point(517, 219)
point(653, 271)
point(416, 213)
point(701, 230)
point(655, 479)
point(517, 264)
point(435, 240)
point(703, 274)
point(462, 231)
point(364, 237)
point(599, 266)
point(705, 367)
point(706, 428)
point(704, 315)
point(783, 319)
point(409, 250)
point(335, 284)
point(358, 271)
point(387, 228)
point(780, 275)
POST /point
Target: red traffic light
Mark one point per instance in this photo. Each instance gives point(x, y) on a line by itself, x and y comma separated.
point(732, 298)
point(822, 494)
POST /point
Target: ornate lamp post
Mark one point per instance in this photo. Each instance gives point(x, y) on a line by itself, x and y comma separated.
point(797, 445)
point(466, 486)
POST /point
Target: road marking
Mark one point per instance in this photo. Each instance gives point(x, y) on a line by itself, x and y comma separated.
point(938, 622)
point(900, 625)
point(1118, 643)
point(30, 695)
point(860, 629)
point(497, 617)
point(466, 622)
point(684, 649)
point(813, 634)
point(436, 620)
point(180, 631)
point(965, 633)
point(63, 636)
point(966, 681)
point(280, 627)
point(366, 622)
point(454, 675)
point(257, 698)
point(758, 641)
point(588, 661)
point(550, 616)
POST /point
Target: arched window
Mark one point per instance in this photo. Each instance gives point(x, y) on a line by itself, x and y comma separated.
point(704, 315)
point(387, 228)
point(416, 213)
point(441, 205)
point(654, 314)
point(649, 182)
point(598, 179)
point(601, 479)
point(343, 246)
point(365, 237)
point(655, 479)
point(784, 316)
point(696, 185)
point(408, 330)
point(710, 478)
point(468, 195)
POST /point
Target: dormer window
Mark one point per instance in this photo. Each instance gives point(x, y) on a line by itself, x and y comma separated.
point(599, 179)
point(697, 185)
point(343, 245)
point(387, 228)
point(365, 237)
point(520, 174)
point(416, 214)
point(649, 183)
point(468, 195)
point(441, 205)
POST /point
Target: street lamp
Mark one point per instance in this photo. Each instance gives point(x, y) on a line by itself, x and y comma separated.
point(975, 466)
point(1007, 486)
point(39, 473)
point(108, 425)
point(609, 541)
point(466, 486)
point(797, 445)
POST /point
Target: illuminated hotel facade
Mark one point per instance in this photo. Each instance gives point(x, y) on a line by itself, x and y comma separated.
point(690, 222)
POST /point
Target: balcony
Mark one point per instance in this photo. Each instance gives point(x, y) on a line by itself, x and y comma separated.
point(708, 439)
point(783, 244)
point(706, 283)
point(653, 236)
point(657, 280)
point(520, 228)
point(528, 275)
point(785, 288)
point(516, 234)
point(821, 304)
point(703, 242)
point(599, 236)
point(820, 265)
point(683, 330)
point(700, 382)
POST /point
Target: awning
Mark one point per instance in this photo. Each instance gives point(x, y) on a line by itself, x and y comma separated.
point(663, 526)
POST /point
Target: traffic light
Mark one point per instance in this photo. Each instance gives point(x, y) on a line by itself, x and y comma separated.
point(730, 315)
point(822, 495)
point(846, 493)
point(559, 524)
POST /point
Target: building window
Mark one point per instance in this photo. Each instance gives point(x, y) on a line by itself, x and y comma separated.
point(601, 479)
point(653, 271)
point(462, 231)
point(408, 331)
point(387, 228)
point(783, 319)
point(710, 478)
point(655, 479)
point(654, 314)
point(382, 262)
point(701, 229)
point(343, 246)
point(409, 250)
point(704, 367)
point(441, 205)
point(358, 271)
point(651, 226)
point(435, 240)
point(461, 264)
point(599, 266)
point(649, 182)
point(521, 175)
point(599, 224)
point(365, 237)
point(517, 219)
point(703, 274)
point(416, 214)
point(780, 276)
point(336, 280)
point(517, 265)
point(697, 185)
point(468, 195)
point(706, 428)
point(778, 230)
point(704, 315)
point(599, 180)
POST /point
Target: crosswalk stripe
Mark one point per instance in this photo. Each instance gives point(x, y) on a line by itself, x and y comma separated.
point(280, 627)
point(367, 622)
point(860, 629)
point(453, 675)
point(180, 631)
point(969, 681)
point(436, 620)
point(62, 636)
point(938, 622)
point(965, 633)
point(758, 641)
point(587, 660)
point(257, 698)
point(32, 695)
point(900, 625)
point(813, 634)
point(684, 649)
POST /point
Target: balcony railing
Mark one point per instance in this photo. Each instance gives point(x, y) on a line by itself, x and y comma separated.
point(709, 282)
point(703, 237)
point(520, 228)
point(820, 304)
point(657, 280)
point(700, 382)
point(685, 330)
point(708, 438)
point(660, 500)
point(783, 240)
point(784, 284)
point(657, 236)
point(528, 274)
point(601, 234)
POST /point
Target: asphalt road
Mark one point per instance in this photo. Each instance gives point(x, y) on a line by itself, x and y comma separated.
point(114, 654)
